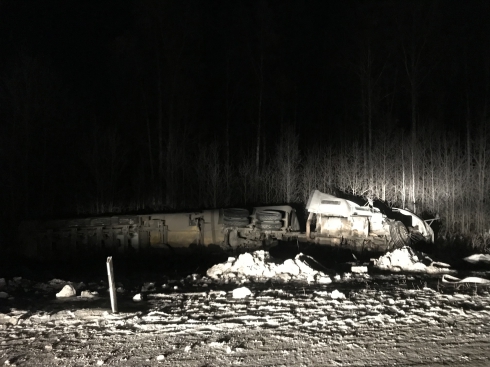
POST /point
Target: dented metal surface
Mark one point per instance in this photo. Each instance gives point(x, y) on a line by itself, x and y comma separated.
point(341, 222)
point(332, 221)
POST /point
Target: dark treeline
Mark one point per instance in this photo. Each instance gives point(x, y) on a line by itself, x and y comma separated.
point(150, 105)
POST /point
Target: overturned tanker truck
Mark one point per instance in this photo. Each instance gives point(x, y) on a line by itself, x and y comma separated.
point(331, 221)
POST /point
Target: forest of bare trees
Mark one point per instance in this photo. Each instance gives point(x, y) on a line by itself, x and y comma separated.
point(431, 178)
point(167, 106)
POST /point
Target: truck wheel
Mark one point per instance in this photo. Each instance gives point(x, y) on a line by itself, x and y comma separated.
point(235, 213)
point(268, 216)
point(241, 222)
point(416, 237)
point(399, 234)
point(270, 225)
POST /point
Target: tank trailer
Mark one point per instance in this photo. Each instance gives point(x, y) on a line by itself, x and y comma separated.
point(331, 221)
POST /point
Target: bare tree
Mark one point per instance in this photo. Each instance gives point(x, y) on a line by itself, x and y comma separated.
point(104, 159)
point(171, 38)
point(247, 179)
point(288, 162)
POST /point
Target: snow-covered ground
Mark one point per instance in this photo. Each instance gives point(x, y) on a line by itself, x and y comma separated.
point(253, 310)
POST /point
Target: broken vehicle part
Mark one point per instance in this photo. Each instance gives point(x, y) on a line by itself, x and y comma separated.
point(341, 222)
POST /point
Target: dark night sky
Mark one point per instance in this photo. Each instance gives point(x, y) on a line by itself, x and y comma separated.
point(193, 67)
point(311, 50)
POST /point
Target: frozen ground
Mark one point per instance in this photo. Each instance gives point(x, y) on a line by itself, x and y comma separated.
point(254, 311)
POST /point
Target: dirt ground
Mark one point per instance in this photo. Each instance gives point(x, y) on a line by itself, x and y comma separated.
point(377, 319)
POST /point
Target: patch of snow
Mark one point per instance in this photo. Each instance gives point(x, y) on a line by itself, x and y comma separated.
point(477, 258)
point(323, 279)
point(337, 295)
point(241, 292)
point(260, 266)
point(86, 294)
point(359, 269)
point(67, 291)
point(4, 295)
point(405, 259)
point(138, 297)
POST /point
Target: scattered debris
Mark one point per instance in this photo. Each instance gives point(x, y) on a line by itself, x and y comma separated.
point(446, 278)
point(230, 320)
point(478, 258)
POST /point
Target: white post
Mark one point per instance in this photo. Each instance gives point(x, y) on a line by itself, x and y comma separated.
point(112, 286)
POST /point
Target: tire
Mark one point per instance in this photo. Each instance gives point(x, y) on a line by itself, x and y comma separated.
point(268, 216)
point(240, 222)
point(235, 213)
point(271, 225)
point(399, 234)
point(416, 237)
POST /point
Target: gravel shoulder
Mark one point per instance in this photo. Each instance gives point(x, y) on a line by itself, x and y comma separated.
point(380, 322)
point(380, 318)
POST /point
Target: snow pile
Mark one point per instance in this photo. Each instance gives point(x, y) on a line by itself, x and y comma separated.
point(242, 292)
point(478, 258)
point(88, 294)
point(260, 266)
point(337, 295)
point(405, 259)
point(67, 291)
